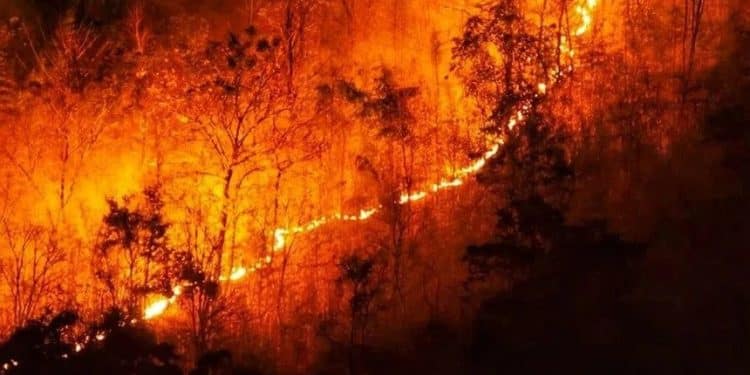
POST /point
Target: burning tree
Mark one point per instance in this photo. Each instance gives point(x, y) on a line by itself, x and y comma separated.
point(135, 259)
point(389, 109)
point(238, 113)
point(133, 256)
point(65, 85)
point(234, 109)
point(504, 60)
point(507, 65)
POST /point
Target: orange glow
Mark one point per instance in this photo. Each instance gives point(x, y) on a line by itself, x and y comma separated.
point(413, 197)
point(156, 308)
point(585, 11)
point(542, 88)
point(237, 273)
point(281, 235)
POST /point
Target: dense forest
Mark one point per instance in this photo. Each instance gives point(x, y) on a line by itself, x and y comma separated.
point(374, 186)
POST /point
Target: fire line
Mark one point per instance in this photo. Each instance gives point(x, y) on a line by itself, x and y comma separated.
point(281, 235)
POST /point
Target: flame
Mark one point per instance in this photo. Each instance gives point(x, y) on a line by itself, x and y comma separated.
point(413, 197)
point(156, 308)
point(161, 304)
point(585, 10)
point(279, 238)
point(366, 214)
point(447, 184)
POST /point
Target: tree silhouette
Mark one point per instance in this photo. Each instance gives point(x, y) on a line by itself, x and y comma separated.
point(62, 344)
point(134, 256)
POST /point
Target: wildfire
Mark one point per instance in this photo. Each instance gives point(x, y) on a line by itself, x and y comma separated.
point(281, 235)
point(586, 12)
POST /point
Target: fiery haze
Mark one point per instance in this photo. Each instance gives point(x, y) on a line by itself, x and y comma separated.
point(230, 173)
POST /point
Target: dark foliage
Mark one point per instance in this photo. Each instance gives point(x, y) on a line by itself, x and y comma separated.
point(62, 345)
point(570, 312)
point(137, 231)
point(585, 300)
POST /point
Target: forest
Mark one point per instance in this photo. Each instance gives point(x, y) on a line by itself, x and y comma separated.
point(374, 187)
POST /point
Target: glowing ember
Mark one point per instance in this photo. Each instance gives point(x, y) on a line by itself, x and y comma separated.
point(8, 365)
point(240, 272)
point(542, 88)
